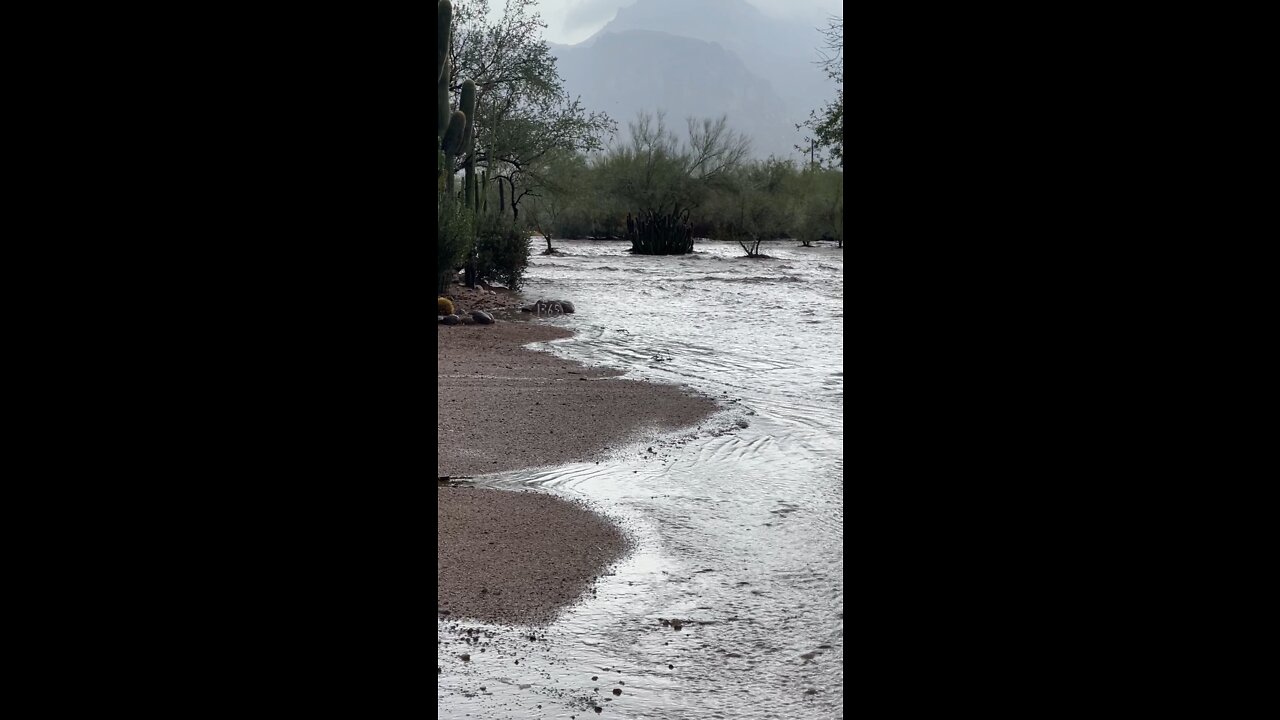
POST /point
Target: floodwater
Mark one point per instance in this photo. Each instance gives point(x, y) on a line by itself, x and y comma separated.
point(737, 524)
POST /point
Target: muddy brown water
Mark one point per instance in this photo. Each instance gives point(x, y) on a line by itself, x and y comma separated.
point(737, 524)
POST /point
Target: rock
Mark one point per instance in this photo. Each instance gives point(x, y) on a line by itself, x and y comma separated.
point(482, 317)
point(616, 691)
point(449, 319)
point(465, 657)
point(468, 320)
point(566, 305)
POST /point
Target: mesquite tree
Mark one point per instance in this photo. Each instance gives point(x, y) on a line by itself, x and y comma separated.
point(826, 126)
point(522, 110)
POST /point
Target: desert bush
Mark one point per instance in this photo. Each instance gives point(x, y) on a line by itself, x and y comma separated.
point(501, 251)
point(455, 231)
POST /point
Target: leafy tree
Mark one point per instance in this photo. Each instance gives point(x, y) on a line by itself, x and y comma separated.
point(561, 209)
point(763, 207)
point(826, 125)
point(817, 194)
point(522, 108)
point(655, 174)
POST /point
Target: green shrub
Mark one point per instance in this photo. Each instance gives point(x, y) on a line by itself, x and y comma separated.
point(455, 233)
point(502, 251)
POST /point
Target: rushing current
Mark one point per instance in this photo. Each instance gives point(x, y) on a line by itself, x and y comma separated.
point(737, 524)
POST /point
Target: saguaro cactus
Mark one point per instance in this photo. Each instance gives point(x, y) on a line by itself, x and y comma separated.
point(443, 35)
point(442, 102)
point(468, 139)
point(453, 142)
point(444, 10)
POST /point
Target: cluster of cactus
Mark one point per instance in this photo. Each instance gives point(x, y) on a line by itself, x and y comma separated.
point(662, 233)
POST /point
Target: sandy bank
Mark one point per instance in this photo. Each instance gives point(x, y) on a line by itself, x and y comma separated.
point(501, 407)
point(517, 557)
point(521, 557)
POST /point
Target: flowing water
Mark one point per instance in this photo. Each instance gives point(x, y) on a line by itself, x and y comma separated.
point(737, 524)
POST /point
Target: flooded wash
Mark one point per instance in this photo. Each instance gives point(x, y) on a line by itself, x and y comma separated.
point(731, 603)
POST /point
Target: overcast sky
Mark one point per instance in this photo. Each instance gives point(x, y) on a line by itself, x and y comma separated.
point(572, 21)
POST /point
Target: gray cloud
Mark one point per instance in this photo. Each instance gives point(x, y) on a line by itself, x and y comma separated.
point(572, 21)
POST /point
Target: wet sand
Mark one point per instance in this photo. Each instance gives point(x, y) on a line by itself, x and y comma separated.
point(501, 407)
point(521, 557)
point(517, 557)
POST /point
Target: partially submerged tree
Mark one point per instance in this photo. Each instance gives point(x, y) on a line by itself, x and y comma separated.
point(764, 208)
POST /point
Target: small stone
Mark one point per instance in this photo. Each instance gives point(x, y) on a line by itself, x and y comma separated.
point(671, 667)
point(465, 657)
point(595, 677)
point(616, 691)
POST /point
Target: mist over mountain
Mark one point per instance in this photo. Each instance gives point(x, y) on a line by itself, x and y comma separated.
point(702, 58)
